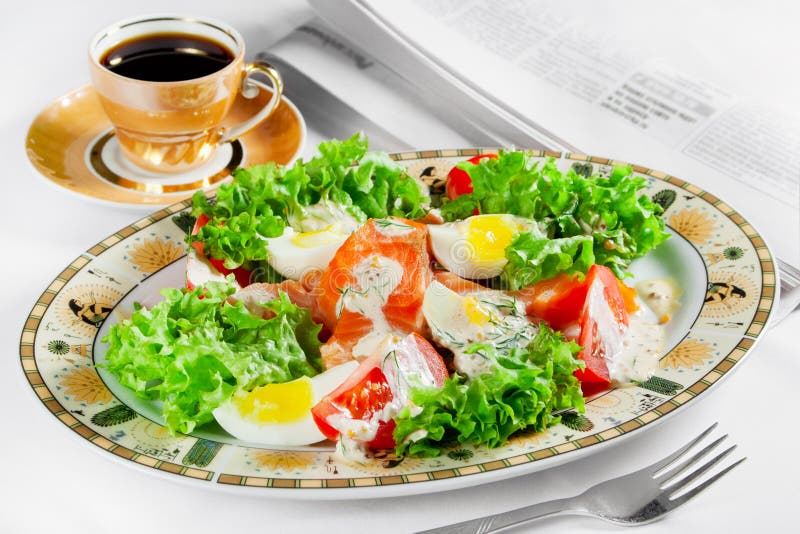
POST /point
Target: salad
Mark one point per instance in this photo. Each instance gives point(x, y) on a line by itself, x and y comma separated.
point(342, 299)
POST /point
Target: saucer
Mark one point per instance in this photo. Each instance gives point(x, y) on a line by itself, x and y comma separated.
point(72, 144)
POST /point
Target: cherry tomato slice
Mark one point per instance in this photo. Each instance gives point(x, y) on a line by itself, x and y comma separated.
point(243, 276)
point(384, 438)
point(366, 392)
point(459, 182)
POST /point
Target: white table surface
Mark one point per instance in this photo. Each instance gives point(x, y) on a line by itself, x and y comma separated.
point(52, 482)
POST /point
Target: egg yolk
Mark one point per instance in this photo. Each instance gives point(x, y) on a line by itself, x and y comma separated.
point(475, 314)
point(326, 236)
point(490, 236)
point(277, 403)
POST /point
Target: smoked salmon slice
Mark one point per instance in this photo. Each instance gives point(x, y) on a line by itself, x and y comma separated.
point(253, 295)
point(455, 283)
point(373, 287)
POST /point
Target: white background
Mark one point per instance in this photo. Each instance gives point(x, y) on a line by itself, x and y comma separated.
point(52, 482)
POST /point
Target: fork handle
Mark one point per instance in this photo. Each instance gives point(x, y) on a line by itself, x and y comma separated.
point(503, 520)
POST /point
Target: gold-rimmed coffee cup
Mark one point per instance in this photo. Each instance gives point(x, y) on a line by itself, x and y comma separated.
point(166, 124)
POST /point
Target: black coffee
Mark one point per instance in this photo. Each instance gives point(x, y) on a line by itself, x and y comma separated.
point(167, 57)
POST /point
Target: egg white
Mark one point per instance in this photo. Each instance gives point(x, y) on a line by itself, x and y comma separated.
point(457, 321)
point(300, 432)
point(292, 260)
point(454, 247)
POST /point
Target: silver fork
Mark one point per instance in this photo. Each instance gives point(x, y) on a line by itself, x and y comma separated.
point(634, 499)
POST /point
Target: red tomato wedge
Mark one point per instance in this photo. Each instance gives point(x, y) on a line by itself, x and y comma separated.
point(559, 301)
point(243, 276)
point(605, 277)
point(414, 355)
point(364, 394)
point(459, 182)
point(384, 438)
point(358, 407)
point(594, 377)
point(592, 311)
point(603, 320)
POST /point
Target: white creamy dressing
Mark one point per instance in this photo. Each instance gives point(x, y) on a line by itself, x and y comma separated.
point(642, 346)
point(508, 328)
point(353, 429)
point(472, 365)
point(515, 329)
point(631, 352)
point(318, 216)
point(404, 367)
point(376, 277)
point(354, 437)
point(370, 342)
point(392, 227)
point(661, 296)
point(491, 317)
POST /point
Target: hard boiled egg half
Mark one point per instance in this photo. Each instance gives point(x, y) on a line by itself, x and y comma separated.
point(457, 321)
point(280, 414)
point(489, 316)
point(475, 248)
point(295, 253)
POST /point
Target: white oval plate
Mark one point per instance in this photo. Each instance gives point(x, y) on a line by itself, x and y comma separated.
point(723, 265)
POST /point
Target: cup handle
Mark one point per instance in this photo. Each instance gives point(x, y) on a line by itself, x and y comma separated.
point(249, 90)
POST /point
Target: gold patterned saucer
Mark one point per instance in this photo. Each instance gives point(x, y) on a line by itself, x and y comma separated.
point(72, 144)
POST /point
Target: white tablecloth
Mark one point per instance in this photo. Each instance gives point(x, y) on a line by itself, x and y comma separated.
point(52, 482)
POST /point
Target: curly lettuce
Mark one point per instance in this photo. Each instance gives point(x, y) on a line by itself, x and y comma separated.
point(533, 257)
point(193, 349)
point(524, 390)
point(262, 200)
point(622, 223)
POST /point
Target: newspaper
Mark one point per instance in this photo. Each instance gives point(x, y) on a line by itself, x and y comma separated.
point(342, 90)
point(564, 76)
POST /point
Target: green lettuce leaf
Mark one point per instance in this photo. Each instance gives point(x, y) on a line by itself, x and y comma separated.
point(533, 257)
point(526, 387)
point(192, 353)
point(622, 223)
point(262, 200)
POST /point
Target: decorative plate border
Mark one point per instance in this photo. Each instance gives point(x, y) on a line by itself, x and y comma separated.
point(198, 453)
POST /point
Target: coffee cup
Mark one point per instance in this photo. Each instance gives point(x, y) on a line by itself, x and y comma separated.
point(167, 83)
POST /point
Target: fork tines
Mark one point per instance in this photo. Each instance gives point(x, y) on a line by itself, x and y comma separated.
point(671, 472)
